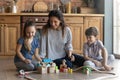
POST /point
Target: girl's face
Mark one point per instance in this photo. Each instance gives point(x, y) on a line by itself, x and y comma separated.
point(30, 31)
point(91, 39)
point(54, 22)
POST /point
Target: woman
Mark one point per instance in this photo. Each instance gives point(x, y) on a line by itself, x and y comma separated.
point(56, 41)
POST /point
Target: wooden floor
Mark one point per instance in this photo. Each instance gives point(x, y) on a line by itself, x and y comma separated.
point(8, 72)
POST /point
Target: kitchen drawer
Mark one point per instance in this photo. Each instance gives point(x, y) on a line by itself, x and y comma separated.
point(9, 19)
point(36, 19)
point(73, 19)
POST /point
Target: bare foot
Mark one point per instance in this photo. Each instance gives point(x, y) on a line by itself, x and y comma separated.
point(108, 68)
point(72, 58)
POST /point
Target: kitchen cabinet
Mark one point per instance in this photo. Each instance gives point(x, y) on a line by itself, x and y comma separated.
point(76, 26)
point(9, 33)
point(96, 22)
point(10, 29)
point(1, 40)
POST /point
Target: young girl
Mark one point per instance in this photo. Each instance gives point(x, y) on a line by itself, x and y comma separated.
point(27, 46)
point(94, 51)
point(56, 41)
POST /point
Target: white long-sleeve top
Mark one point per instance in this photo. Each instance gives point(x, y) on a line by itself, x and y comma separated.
point(56, 44)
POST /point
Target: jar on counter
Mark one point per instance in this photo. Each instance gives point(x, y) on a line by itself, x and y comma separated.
point(2, 9)
point(14, 7)
point(91, 3)
point(68, 7)
point(74, 9)
point(62, 8)
point(50, 6)
point(8, 7)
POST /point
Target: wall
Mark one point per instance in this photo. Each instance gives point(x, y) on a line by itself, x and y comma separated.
point(100, 6)
point(105, 7)
point(108, 33)
point(28, 4)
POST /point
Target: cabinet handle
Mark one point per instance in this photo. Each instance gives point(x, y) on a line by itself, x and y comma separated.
point(36, 19)
point(5, 25)
point(43, 19)
point(1, 25)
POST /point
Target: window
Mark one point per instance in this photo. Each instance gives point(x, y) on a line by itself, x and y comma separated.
point(116, 27)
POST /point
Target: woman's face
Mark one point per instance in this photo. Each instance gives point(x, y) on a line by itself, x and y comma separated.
point(30, 31)
point(54, 22)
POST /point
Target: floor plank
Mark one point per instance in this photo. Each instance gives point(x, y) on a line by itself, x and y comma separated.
point(8, 72)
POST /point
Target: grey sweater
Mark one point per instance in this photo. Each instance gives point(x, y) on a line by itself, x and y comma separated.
point(55, 44)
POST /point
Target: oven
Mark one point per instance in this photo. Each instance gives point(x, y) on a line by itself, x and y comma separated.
point(40, 21)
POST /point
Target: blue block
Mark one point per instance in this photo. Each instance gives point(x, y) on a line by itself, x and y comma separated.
point(46, 60)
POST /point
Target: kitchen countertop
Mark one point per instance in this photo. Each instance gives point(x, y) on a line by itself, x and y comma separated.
point(38, 14)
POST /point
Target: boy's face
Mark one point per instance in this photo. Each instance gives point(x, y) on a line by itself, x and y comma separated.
point(91, 39)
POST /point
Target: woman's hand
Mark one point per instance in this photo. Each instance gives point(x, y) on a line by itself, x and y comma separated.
point(27, 61)
point(69, 55)
point(72, 58)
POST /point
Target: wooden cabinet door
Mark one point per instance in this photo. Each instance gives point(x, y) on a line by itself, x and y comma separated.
point(1, 39)
point(77, 37)
point(76, 25)
point(94, 21)
point(12, 33)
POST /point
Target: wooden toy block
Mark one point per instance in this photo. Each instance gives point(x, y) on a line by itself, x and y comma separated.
point(65, 70)
point(42, 70)
point(51, 69)
point(63, 65)
point(57, 71)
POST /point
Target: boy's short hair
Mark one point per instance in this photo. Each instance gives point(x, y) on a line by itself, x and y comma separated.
point(91, 31)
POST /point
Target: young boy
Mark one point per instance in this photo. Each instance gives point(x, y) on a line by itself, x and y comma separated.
point(94, 51)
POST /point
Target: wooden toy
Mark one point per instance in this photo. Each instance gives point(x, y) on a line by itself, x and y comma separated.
point(42, 69)
point(91, 68)
point(51, 68)
point(63, 66)
point(86, 70)
point(23, 74)
point(46, 67)
point(39, 64)
point(47, 60)
point(56, 69)
point(71, 70)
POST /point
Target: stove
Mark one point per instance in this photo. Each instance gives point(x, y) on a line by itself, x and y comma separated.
point(31, 11)
point(40, 21)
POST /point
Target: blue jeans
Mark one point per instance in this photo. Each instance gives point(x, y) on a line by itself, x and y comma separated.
point(79, 60)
